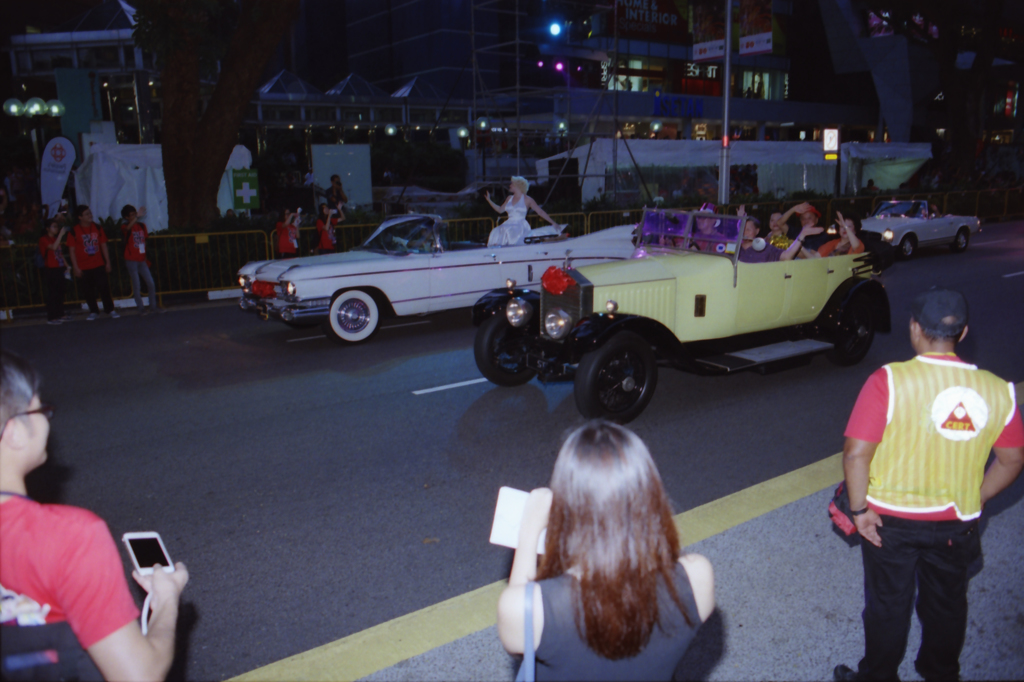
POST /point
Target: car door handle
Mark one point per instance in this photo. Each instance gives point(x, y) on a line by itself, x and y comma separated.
point(830, 271)
point(789, 276)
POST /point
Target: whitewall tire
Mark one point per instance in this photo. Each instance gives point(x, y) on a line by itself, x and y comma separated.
point(353, 317)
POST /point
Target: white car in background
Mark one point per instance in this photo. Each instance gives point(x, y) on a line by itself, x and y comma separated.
point(909, 225)
point(409, 266)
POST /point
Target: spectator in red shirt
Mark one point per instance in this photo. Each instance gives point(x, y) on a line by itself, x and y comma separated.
point(134, 234)
point(90, 261)
point(55, 270)
point(288, 235)
point(62, 567)
point(326, 221)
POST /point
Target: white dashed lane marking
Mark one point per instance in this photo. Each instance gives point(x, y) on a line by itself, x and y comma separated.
point(446, 387)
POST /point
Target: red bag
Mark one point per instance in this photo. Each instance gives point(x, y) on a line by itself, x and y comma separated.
point(839, 511)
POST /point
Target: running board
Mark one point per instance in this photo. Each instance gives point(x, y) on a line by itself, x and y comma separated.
point(744, 359)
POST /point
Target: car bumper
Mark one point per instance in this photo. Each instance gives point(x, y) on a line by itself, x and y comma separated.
point(248, 302)
point(273, 309)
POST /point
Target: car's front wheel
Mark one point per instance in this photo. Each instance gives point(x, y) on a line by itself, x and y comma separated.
point(962, 239)
point(353, 317)
point(855, 335)
point(500, 353)
point(908, 246)
point(617, 380)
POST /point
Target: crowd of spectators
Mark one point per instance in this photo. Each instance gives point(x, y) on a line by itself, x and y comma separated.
point(20, 211)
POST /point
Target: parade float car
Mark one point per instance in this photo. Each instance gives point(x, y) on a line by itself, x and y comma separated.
point(684, 300)
point(908, 225)
point(409, 266)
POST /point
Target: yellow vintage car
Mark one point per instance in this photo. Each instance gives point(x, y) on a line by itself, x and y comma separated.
point(684, 300)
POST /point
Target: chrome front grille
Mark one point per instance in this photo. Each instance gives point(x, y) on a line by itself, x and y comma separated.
point(577, 300)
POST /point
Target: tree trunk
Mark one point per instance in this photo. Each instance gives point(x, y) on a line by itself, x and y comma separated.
point(196, 148)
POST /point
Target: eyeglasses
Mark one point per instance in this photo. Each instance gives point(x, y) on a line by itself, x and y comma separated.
point(45, 410)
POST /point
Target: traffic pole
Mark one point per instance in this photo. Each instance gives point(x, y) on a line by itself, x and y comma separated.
point(723, 161)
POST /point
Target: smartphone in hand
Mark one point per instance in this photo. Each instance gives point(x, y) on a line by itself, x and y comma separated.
point(147, 550)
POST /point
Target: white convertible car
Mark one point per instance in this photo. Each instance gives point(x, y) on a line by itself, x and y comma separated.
point(908, 225)
point(409, 266)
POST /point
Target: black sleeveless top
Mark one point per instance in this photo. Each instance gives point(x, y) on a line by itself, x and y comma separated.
point(564, 655)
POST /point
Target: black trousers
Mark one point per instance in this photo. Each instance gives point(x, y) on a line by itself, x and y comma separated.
point(55, 286)
point(933, 556)
point(93, 281)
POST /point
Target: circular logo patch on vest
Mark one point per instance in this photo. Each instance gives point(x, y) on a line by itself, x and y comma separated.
point(959, 413)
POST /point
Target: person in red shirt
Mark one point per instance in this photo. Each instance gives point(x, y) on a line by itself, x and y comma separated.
point(90, 261)
point(134, 234)
point(288, 235)
point(61, 567)
point(326, 221)
point(55, 270)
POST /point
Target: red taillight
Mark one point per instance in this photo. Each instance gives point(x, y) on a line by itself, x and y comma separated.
point(263, 289)
point(556, 281)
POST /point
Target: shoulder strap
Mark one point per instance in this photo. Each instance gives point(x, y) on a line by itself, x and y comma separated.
point(528, 669)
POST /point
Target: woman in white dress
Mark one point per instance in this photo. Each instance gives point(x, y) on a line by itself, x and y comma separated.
point(513, 231)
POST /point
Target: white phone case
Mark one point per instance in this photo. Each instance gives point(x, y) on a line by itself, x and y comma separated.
point(168, 565)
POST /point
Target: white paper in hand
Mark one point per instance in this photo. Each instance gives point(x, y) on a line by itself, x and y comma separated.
point(508, 517)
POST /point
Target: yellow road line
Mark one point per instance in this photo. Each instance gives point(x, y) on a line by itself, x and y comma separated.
point(384, 645)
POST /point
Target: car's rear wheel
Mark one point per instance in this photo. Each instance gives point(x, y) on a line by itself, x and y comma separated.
point(353, 317)
point(855, 335)
point(500, 353)
point(908, 246)
point(962, 239)
point(617, 380)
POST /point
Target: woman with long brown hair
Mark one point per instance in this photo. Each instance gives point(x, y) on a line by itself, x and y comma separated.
point(617, 599)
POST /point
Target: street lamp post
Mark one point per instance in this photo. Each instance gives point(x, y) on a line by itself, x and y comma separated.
point(723, 162)
point(31, 109)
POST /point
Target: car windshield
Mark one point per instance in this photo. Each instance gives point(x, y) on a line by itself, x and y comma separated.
point(900, 209)
point(680, 231)
point(410, 236)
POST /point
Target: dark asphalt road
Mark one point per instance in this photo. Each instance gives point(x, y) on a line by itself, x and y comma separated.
point(312, 495)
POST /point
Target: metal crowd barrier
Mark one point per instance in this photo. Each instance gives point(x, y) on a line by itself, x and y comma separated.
point(180, 263)
point(192, 263)
point(602, 220)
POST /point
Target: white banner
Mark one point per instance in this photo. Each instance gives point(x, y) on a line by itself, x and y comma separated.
point(712, 50)
point(760, 43)
point(58, 157)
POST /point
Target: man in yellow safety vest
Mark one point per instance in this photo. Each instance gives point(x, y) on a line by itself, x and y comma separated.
point(916, 447)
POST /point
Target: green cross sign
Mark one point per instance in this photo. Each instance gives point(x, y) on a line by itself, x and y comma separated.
point(245, 187)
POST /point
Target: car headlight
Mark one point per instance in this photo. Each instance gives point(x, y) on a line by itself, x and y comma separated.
point(518, 312)
point(558, 323)
point(244, 281)
point(289, 288)
point(887, 235)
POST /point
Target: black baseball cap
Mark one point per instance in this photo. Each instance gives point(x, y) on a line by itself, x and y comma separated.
point(940, 312)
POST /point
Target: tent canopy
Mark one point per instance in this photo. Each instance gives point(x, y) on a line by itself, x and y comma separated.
point(356, 86)
point(117, 174)
point(782, 167)
point(286, 85)
point(889, 165)
point(418, 87)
